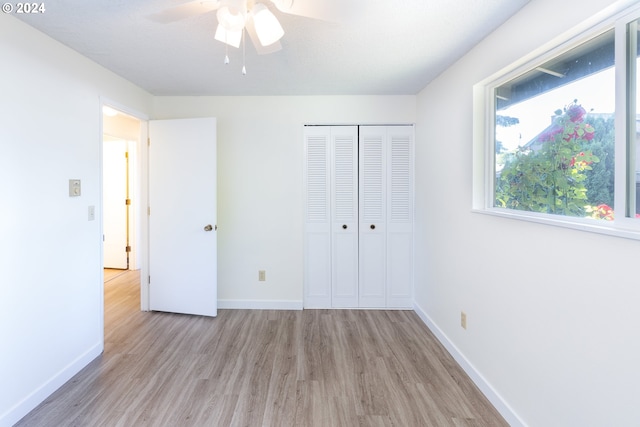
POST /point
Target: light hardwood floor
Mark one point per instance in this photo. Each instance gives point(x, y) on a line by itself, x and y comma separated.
point(264, 368)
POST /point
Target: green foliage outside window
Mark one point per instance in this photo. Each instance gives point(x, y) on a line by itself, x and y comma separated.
point(560, 171)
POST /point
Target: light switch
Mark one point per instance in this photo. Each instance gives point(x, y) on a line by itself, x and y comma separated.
point(74, 188)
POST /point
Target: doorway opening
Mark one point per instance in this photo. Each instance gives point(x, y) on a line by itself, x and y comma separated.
point(121, 189)
point(120, 123)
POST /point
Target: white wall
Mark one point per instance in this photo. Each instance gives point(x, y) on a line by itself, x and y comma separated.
point(551, 312)
point(260, 183)
point(51, 281)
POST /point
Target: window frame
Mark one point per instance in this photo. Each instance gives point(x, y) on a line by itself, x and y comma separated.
point(484, 125)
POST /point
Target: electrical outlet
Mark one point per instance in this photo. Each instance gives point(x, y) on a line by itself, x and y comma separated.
point(262, 275)
point(463, 319)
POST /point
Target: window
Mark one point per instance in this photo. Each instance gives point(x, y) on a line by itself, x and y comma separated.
point(554, 134)
point(548, 135)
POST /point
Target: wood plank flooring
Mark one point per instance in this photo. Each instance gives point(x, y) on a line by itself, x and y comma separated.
point(112, 273)
point(264, 368)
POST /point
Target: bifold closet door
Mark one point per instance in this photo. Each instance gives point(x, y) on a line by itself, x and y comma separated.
point(400, 216)
point(386, 216)
point(317, 219)
point(344, 216)
point(372, 213)
point(358, 239)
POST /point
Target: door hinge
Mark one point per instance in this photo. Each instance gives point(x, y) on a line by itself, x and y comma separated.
point(126, 154)
point(148, 210)
point(149, 280)
point(127, 249)
point(148, 141)
point(127, 202)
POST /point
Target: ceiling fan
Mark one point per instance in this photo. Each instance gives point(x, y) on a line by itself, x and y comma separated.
point(253, 16)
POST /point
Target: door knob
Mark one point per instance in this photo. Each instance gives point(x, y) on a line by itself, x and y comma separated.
point(344, 226)
point(373, 227)
point(208, 227)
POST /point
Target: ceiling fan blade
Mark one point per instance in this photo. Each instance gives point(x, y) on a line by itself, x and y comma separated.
point(187, 10)
point(262, 50)
point(325, 10)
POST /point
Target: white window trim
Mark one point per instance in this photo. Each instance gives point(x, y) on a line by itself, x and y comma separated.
point(616, 16)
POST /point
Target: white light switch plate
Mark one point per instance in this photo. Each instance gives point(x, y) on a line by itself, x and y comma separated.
point(74, 188)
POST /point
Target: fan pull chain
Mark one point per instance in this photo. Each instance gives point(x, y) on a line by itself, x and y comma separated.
point(226, 50)
point(244, 69)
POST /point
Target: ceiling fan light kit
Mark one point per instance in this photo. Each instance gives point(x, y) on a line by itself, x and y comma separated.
point(231, 18)
point(237, 16)
point(266, 24)
point(232, 38)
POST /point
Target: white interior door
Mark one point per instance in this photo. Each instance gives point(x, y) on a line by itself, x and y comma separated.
point(114, 202)
point(182, 216)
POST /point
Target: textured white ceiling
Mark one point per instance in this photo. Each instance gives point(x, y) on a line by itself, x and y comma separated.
point(386, 48)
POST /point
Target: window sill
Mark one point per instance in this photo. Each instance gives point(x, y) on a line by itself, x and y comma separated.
point(630, 230)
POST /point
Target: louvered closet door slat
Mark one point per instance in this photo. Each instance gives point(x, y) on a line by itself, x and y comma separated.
point(317, 179)
point(372, 178)
point(401, 185)
point(345, 179)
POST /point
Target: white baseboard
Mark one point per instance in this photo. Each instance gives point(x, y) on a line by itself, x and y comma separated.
point(30, 402)
point(242, 304)
point(496, 400)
